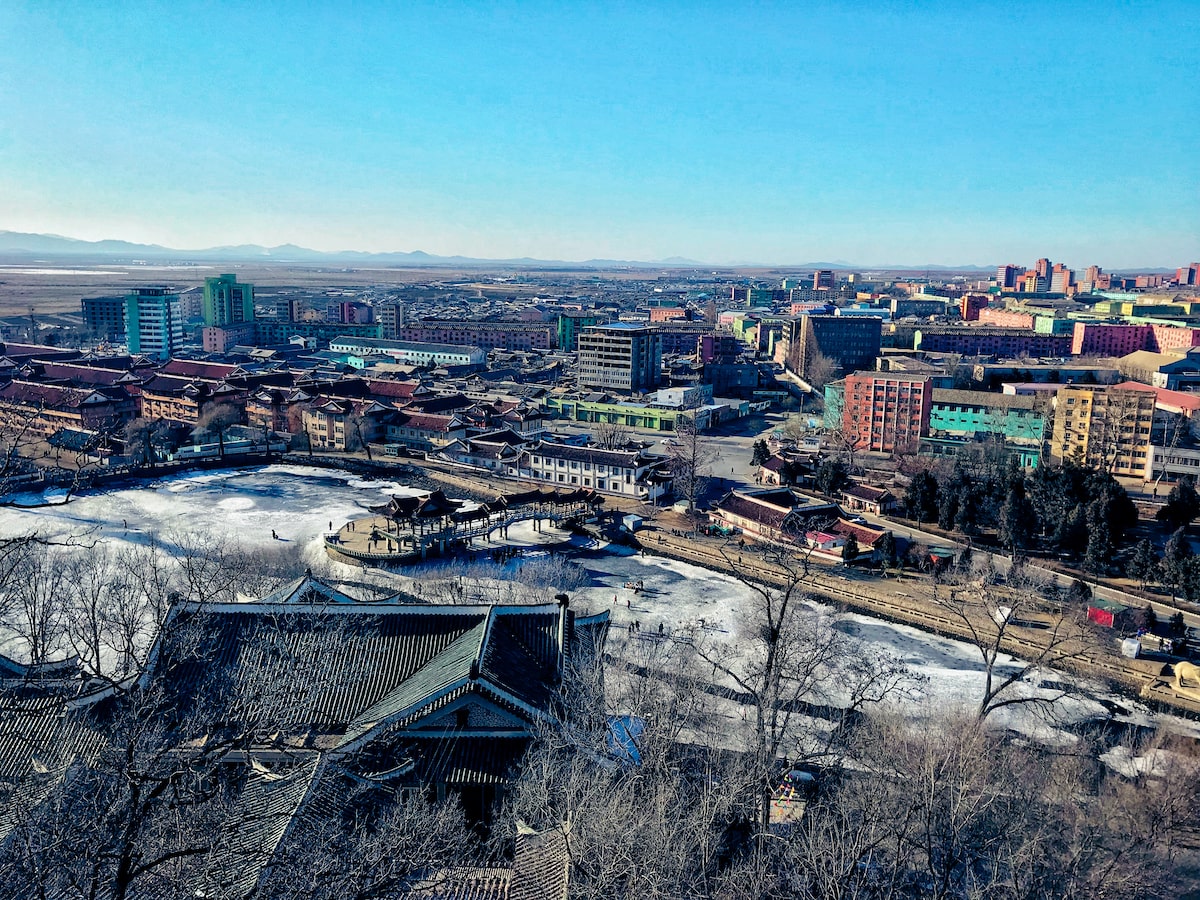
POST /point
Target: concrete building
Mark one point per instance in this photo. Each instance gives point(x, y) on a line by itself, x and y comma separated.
point(1105, 427)
point(153, 323)
point(226, 301)
point(886, 411)
point(620, 357)
point(104, 318)
point(1104, 339)
point(1005, 318)
point(390, 317)
point(1015, 418)
point(488, 335)
point(628, 473)
point(350, 312)
point(971, 306)
point(980, 341)
point(569, 326)
point(921, 307)
point(850, 342)
point(223, 338)
point(410, 352)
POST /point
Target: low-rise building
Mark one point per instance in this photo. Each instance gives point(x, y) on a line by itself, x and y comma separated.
point(1019, 419)
point(412, 352)
point(629, 473)
point(773, 515)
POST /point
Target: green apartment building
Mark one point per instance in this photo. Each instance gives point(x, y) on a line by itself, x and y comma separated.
point(569, 326)
point(226, 302)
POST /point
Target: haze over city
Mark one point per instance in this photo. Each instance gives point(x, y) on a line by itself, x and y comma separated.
point(898, 135)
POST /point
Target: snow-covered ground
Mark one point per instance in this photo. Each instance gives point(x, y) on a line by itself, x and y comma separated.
point(300, 504)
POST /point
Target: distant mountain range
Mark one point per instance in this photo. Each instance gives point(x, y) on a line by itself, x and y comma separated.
point(20, 244)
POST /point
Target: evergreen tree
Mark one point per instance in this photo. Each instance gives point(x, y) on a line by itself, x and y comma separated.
point(760, 453)
point(1182, 506)
point(1016, 522)
point(850, 549)
point(1150, 619)
point(921, 497)
point(831, 477)
point(1079, 593)
point(1174, 564)
point(1099, 542)
point(1178, 626)
point(887, 550)
point(1143, 565)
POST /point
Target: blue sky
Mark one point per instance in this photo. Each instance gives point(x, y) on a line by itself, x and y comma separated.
point(876, 133)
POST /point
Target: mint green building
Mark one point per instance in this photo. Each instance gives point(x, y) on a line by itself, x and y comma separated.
point(1052, 325)
point(569, 326)
point(226, 301)
point(1019, 419)
point(629, 415)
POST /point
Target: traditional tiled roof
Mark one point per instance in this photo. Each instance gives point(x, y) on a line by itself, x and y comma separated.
point(205, 371)
point(867, 492)
point(570, 453)
point(261, 815)
point(425, 422)
point(863, 534)
point(541, 865)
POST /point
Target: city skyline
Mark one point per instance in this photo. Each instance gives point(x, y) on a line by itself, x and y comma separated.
point(894, 136)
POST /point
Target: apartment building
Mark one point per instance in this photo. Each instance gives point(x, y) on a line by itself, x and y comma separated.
point(1108, 427)
point(227, 301)
point(620, 357)
point(153, 322)
point(851, 342)
point(886, 411)
point(104, 318)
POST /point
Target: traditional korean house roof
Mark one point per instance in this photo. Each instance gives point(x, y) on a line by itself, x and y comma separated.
point(204, 371)
point(325, 694)
point(865, 535)
point(868, 493)
point(434, 505)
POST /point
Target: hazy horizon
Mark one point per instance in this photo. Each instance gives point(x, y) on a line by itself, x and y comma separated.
point(881, 136)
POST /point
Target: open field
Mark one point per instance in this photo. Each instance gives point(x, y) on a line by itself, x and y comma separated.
point(54, 286)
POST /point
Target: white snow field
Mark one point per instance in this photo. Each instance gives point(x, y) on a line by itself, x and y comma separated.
point(300, 503)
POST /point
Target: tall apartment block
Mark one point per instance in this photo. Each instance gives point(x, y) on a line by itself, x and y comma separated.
point(1105, 427)
point(391, 317)
point(153, 322)
point(1006, 276)
point(852, 342)
point(620, 357)
point(569, 326)
point(104, 318)
point(226, 301)
point(886, 411)
point(823, 280)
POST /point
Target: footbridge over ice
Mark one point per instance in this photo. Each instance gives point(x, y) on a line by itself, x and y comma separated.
point(410, 528)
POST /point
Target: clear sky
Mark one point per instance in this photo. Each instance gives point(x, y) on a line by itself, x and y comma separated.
point(868, 132)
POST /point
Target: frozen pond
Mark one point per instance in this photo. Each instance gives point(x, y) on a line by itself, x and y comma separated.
point(299, 504)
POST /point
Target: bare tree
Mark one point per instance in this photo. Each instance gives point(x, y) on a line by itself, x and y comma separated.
point(692, 459)
point(610, 435)
point(997, 615)
point(821, 370)
point(790, 663)
point(218, 419)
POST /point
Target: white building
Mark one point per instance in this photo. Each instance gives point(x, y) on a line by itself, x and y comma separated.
point(153, 323)
point(630, 473)
point(411, 352)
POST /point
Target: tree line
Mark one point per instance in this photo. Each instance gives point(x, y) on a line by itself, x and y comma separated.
point(782, 760)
